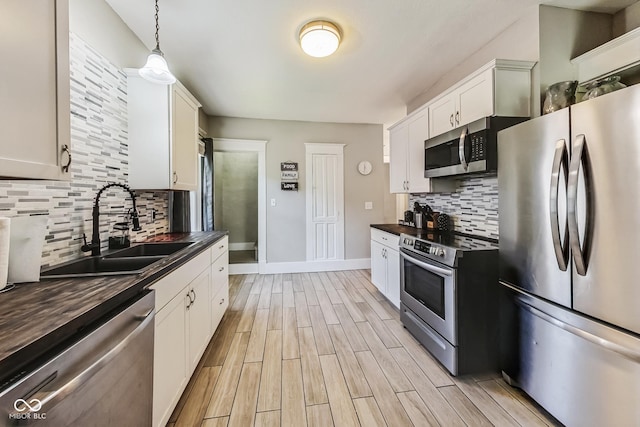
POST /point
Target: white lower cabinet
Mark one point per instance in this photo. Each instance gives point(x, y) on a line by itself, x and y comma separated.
point(170, 358)
point(190, 302)
point(199, 317)
point(385, 264)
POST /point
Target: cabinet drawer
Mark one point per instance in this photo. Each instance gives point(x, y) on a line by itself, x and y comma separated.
point(219, 248)
point(220, 274)
point(219, 304)
point(384, 238)
point(169, 286)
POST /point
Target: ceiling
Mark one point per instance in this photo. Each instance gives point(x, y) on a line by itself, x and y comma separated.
point(241, 58)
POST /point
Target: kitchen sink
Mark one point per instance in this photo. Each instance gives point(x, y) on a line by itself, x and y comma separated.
point(150, 249)
point(101, 266)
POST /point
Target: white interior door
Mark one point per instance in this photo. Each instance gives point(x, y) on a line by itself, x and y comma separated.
point(325, 202)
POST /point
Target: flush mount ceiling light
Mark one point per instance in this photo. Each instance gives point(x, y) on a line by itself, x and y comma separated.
point(156, 69)
point(319, 38)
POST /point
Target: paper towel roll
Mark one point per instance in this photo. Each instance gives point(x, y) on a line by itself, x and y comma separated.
point(27, 238)
point(5, 235)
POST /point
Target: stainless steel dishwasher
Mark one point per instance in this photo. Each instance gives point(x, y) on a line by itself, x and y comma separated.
point(103, 378)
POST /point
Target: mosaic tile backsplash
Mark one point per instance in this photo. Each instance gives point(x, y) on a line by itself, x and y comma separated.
point(473, 207)
point(100, 151)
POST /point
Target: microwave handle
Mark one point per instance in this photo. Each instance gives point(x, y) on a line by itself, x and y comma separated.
point(428, 267)
point(463, 159)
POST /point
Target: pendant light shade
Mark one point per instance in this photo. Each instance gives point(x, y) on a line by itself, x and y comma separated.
point(319, 38)
point(156, 69)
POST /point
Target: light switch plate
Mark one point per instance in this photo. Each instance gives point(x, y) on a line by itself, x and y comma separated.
point(368, 205)
point(273, 202)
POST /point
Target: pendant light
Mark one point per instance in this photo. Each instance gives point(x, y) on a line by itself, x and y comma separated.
point(156, 69)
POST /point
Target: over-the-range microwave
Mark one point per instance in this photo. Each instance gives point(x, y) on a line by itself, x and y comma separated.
point(471, 148)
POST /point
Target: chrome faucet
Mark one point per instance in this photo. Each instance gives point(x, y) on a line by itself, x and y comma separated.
point(94, 246)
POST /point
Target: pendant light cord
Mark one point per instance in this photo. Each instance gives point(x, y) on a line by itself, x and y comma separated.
point(157, 27)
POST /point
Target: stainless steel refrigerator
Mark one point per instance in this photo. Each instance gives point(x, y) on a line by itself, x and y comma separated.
point(569, 197)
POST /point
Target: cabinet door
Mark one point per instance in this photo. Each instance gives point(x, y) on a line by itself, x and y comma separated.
point(475, 98)
point(219, 304)
point(199, 317)
point(393, 277)
point(398, 140)
point(378, 266)
point(34, 100)
point(418, 133)
point(169, 358)
point(185, 142)
point(442, 115)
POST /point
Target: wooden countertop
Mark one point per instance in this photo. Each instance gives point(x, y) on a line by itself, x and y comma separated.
point(38, 317)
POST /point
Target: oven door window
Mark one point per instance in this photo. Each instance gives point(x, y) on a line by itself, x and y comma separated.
point(426, 287)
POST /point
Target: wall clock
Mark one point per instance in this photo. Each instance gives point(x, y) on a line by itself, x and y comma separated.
point(364, 167)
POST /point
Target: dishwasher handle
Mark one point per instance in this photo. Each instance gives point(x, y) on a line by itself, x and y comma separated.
point(52, 398)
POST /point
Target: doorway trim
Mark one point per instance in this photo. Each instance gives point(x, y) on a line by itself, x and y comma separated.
point(331, 149)
point(260, 147)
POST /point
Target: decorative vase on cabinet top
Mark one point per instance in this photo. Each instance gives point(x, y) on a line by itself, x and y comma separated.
point(560, 95)
point(602, 87)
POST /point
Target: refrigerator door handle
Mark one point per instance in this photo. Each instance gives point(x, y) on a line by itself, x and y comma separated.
point(463, 158)
point(578, 159)
point(621, 349)
point(560, 160)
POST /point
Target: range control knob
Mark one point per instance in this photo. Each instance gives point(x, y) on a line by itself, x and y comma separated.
point(439, 252)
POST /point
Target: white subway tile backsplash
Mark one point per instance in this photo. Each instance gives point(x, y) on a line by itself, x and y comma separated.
point(99, 144)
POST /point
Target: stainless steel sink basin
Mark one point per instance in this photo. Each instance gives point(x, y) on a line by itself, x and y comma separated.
point(150, 249)
point(101, 266)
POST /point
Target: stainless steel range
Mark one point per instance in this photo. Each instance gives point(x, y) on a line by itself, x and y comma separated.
point(449, 298)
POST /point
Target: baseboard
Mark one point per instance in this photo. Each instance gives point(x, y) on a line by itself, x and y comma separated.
point(251, 268)
point(242, 246)
point(315, 266)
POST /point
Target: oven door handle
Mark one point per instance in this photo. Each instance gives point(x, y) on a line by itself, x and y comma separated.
point(429, 267)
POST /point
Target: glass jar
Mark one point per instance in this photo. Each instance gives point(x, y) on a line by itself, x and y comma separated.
point(602, 87)
point(560, 95)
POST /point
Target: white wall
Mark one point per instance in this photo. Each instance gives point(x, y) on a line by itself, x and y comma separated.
point(565, 34)
point(519, 41)
point(286, 233)
point(100, 27)
point(626, 20)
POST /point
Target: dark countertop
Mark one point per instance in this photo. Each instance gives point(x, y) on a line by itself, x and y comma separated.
point(37, 317)
point(420, 232)
point(397, 229)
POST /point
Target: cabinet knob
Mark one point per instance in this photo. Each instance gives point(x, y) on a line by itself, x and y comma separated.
point(175, 177)
point(457, 117)
point(194, 294)
point(190, 300)
point(451, 119)
point(66, 149)
point(221, 247)
point(222, 301)
point(221, 269)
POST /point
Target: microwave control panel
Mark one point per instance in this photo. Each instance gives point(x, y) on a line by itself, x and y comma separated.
point(478, 143)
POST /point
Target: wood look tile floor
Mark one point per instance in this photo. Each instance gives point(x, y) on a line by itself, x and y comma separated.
point(327, 349)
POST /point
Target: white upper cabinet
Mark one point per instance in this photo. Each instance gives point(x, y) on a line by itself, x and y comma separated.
point(34, 101)
point(163, 135)
point(500, 88)
point(406, 166)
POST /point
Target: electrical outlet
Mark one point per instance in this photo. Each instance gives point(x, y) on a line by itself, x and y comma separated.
point(152, 215)
point(273, 203)
point(368, 205)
